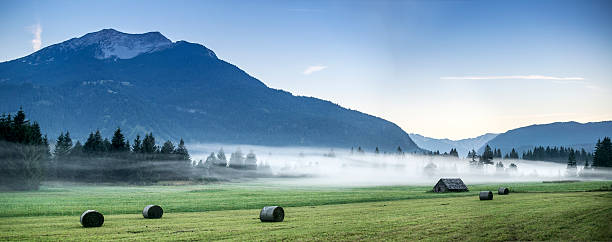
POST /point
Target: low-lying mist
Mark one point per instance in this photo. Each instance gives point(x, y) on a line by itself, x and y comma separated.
point(326, 167)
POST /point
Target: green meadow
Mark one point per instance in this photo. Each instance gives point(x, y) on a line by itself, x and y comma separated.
point(229, 211)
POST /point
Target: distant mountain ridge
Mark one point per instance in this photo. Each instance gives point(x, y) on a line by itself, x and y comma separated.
point(463, 146)
point(147, 83)
point(567, 134)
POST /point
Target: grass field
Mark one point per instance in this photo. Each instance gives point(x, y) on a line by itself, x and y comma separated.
point(533, 211)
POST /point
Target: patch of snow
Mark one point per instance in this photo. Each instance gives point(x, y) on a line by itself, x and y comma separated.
point(114, 44)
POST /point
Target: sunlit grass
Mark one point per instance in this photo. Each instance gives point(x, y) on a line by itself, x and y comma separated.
point(73, 200)
point(520, 216)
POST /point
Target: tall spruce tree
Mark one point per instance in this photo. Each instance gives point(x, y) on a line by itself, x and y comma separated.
point(137, 147)
point(148, 144)
point(63, 145)
point(118, 141)
point(453, 152)
point(167, 148)
point(571, 160)
point(603, 153)
point(487, 155)
point(514, 154)
point(181, 151)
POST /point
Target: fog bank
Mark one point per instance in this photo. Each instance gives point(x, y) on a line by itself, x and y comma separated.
point(327, 167)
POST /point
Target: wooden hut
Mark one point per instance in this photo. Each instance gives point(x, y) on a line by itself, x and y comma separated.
point(450, 185)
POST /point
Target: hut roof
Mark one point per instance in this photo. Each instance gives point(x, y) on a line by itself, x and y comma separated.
point(454, 183)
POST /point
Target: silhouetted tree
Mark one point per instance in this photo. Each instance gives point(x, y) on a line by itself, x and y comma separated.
point(181, 151)
point(167, 148)
point(63, 145)
point(148, 144)
point(137, 147)
point(603, 153)
point(514, 154)
point(453, 152)
point(487, 155)
point(118, 142)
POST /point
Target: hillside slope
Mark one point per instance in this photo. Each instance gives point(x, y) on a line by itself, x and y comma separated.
point(146, 83)
point(568, 134)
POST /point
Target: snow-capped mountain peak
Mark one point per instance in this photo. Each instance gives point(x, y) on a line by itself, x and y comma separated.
point(112, 43)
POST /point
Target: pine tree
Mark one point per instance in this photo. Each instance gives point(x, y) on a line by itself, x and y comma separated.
point(603, 153)
point(148, 144)
point(67, 141)
point(62, 146)
point(99, 144)
point(58, 152)
point(236, 159)
point(137, 147)
point(453, 152)
point(106, 146)
point(514, 154)
point(181, 150)
point(487, 155)
point(167, 148)
point(571, 160)
point(211, 160)
point(19, 127)
point(118, 141)
point(89, 146)
point(221, 157)
point(25, 152)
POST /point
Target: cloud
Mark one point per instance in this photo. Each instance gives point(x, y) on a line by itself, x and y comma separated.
point(526, 77)
point(36, 41)
point(312, 69)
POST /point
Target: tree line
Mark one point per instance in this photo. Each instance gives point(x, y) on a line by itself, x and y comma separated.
point(557, 154)
point(26, 160)
point(102, 160)
point(24, 152)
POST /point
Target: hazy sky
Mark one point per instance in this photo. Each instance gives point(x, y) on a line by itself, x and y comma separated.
point(452, 69)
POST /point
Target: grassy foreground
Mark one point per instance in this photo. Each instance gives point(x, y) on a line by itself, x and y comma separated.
point(535, 211)
point(73, 200)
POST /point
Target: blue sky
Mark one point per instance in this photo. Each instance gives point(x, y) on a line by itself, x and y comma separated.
point(452, 69)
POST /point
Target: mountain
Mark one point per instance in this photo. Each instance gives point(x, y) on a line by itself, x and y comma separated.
point(567, 134)
point(463, 146)
point(147, 83)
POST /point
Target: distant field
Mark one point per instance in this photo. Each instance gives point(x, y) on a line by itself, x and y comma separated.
point(534, 211)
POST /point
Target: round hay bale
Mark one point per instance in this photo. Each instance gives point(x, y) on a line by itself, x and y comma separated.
point(152, 211)
point(503, 191)
point(92, 218)
point(272, 214)
point(486, 195)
